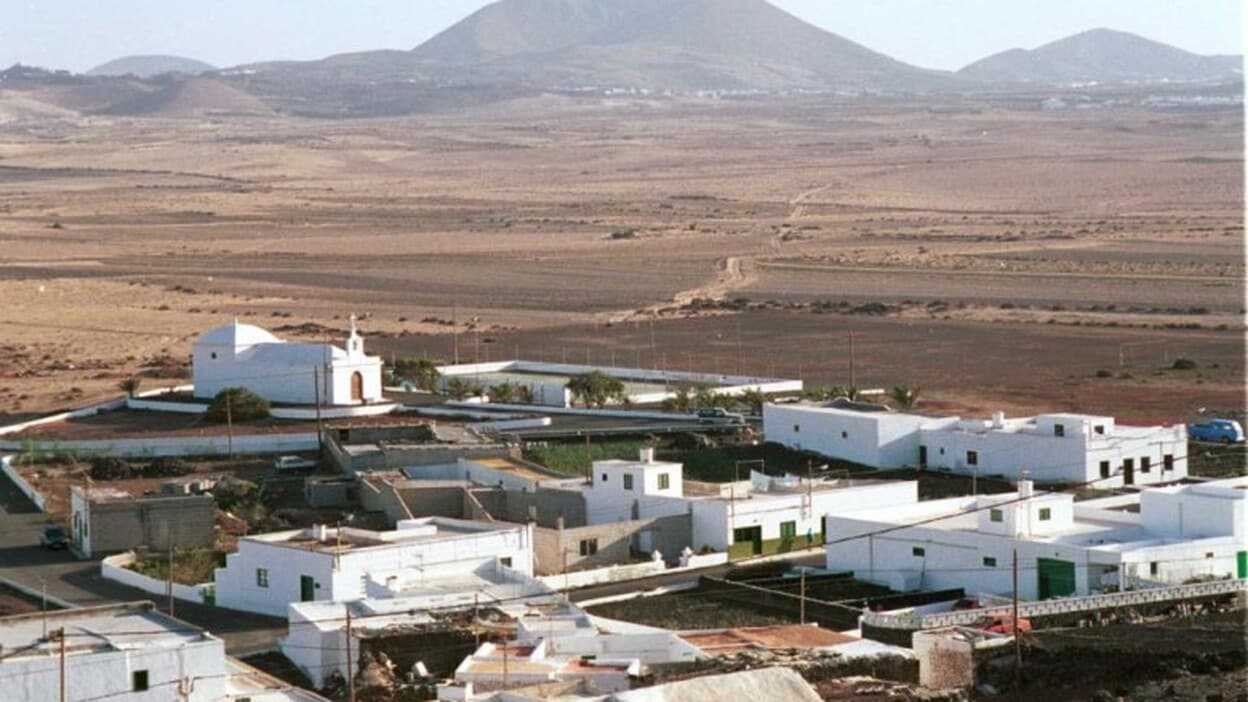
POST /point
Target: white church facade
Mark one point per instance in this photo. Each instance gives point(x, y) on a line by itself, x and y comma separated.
point(243, 355)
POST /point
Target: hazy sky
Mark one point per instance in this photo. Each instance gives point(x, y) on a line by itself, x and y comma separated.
point(79, 34)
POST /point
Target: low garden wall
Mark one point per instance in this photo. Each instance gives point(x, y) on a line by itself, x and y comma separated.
point(6, 466)
point(114, 568)
point(157, 446)
point(633, 571)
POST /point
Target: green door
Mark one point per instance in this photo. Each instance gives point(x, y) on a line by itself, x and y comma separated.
point(307, 588)
point(1055, 578)
point(1241, 561)
point(751, 535)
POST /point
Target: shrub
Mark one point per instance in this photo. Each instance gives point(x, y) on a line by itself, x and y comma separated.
point(238, 405)
point(110, 468)
point(1104, 373)
point(168, 467)
point(1183, 364)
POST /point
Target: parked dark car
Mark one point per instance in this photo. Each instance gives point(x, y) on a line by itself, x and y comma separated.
point(54, 538)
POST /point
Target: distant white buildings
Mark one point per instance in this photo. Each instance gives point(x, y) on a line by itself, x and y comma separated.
point(1069, 448)
point(270, 571)
point(1064, 547)
point(761, 515)
point(242, 355)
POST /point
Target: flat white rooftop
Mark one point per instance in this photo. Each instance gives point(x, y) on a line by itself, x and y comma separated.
point(344, 539)
point(94, 629)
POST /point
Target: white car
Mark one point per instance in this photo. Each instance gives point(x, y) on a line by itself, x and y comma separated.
point(293, 463)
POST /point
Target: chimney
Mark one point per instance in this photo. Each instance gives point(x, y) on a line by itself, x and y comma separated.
point(320, 532)
point(647, 454)
point(1025, 486)
point(998, 420)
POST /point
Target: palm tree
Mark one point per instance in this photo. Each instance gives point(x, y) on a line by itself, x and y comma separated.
point(422, 372)
point(130, 385)
point(905, 396)
point(524, 394)
point(596, 389)
point(458, 388)
point(505, 392)
point(754, 399)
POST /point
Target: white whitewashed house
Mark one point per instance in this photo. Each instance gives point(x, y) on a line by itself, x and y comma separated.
point(1064, 547)
point(340, 564)
point(1052, 448)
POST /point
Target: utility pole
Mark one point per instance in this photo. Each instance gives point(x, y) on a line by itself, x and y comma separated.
point(853, 376)
point(589, 460)
point(738, 345)
point(169, 585)
point(1018, 647)
point(316, 392)
point(43, 590)
point(350, 662)
point(454, 335)
point(60, 634)
point(802, 597)
point(229, 425)
point(476, 624)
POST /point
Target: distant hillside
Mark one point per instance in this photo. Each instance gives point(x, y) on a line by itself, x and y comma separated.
point(1104, 56)
point(148, 66)
point(661, 44)
point(187, 98)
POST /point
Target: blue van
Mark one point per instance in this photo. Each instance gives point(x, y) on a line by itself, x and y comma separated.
point(1227, 431)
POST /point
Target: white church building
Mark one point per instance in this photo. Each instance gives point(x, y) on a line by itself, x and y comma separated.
point(243, 355)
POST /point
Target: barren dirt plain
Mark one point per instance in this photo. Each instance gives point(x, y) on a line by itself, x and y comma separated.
point(997, 255)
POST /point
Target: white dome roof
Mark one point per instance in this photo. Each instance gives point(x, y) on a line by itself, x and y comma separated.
point(235, 334)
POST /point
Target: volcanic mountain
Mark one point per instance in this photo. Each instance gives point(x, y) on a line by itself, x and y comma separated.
point(1102, 56)
point(662, 45)
point(148, 66)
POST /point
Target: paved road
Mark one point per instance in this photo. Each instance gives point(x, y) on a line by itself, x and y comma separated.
point(79, 582)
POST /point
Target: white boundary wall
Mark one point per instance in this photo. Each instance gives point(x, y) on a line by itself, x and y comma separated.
point(633, 571)
point(152, 447)
point(295, 413)
point(722, 384)
point(114, 568)
point(6, 466)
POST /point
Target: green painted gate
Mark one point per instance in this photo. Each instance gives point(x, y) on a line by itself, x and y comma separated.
point(1055, 578)
point(1241, 562)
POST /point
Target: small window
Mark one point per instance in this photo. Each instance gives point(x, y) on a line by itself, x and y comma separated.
point(1152, 568)
point(996, 515)
point(262, 577)
point(589, 547)
point(942, 450)
point(138, 681)
point(505, 561)
point(1045, 514)
point(604, 477)
point(918, 551)
point(1099, 429)
point(990, 562)
point(213, 355)
point(972, 458)
point(1208, 554)
point(1146, 464)
point(797, 428)
point(665, 481)
point(1167, 462)
point(1104, 469)
point(628, 481)
point(1059, 430)
point(844, 435)
point(788, 530)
